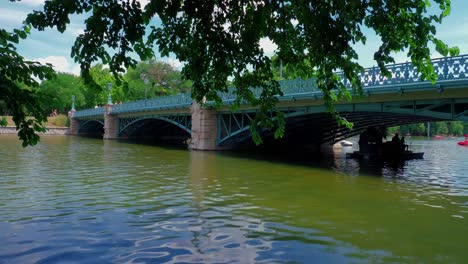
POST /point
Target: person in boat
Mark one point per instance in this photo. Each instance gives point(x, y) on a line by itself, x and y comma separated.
point(363, 142)
point(397, 145)
point(404, 147)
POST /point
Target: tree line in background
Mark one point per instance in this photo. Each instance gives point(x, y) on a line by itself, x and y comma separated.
point(455, 128)
point(147, 79)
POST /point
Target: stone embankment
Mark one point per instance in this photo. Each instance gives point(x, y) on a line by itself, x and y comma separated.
point(50, 131)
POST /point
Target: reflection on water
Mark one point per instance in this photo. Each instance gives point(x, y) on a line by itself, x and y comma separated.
point(84, 200)
point(444, 166)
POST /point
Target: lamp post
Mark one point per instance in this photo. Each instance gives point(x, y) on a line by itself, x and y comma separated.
point(146, 81)
point(146, 86)
point(73, 103)
point(109, 96)
point(281, 69)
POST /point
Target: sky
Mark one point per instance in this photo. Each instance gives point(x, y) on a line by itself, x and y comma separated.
point(55, 48)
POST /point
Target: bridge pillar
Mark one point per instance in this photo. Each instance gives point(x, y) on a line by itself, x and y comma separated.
point(111, 123)
point(326, 148)
point(204, 128)
point(74, 123)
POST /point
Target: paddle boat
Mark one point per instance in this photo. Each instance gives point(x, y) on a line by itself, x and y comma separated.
point(342, 144)
point(465, 142)
point(346, 143)
point(387, 152)
point(374, 148)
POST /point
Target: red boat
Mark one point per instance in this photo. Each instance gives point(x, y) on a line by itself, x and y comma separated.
point(464, 143)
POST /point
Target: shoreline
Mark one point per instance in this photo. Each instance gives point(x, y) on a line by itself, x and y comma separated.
point(59, 131)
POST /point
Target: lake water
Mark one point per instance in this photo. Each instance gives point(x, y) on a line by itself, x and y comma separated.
point(78, 200)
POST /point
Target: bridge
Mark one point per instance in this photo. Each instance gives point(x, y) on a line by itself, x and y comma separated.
point(387, 101)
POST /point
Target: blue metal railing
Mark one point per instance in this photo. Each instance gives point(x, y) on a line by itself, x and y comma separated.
point(447, 69)
point(288, 87)
point(158, 103)
point(93, 112)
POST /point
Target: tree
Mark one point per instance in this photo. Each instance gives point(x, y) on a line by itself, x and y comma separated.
point(442, 128)
point(456, 128)
point(439, 128)
point(162, 79)
point(420, 129)
point(18, 86)
point(413, 129)
point(57, 92)
point(96, 89)
point(219, 40)
point(3, 122)
point(290, 71)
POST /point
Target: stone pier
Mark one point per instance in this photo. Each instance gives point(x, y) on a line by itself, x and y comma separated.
point(204, 128)
point(74, 123)
point(111, 124)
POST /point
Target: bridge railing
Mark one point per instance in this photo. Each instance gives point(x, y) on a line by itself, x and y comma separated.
point(288, 87)
point(298, 86)
point(448, 68)
point(158, 103)
point(93, 112)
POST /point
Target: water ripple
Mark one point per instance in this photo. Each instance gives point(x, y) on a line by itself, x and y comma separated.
point(88, 201)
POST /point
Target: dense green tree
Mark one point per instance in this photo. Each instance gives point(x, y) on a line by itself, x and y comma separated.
point(18, 86)
point(3, 121)
point(3, 108)
point(439, 128)
point(161, 79)
point(456, 128)
point(219, 40)
point(96, 92)
point(287, 71)
point(57, 92)
point(419, 129)
point(413, 129)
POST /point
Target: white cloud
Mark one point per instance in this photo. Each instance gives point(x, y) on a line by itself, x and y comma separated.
point(12, 16)
point(143, 3)
point(78, 31)
point(268, 46)
point(401, 57)
point(76, 70)
point(175, 63)
point(33, 2)
point(60, 64)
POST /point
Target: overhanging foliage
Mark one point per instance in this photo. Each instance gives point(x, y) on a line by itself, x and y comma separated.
point(219, 40)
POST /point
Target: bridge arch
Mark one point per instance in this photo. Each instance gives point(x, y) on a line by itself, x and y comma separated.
point(91, 127)
point(308, 126)
point(174, 129)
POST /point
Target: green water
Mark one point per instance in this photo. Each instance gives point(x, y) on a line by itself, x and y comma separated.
point(77, 200)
